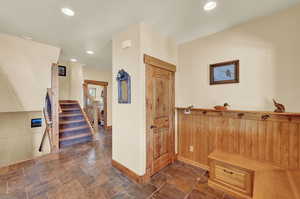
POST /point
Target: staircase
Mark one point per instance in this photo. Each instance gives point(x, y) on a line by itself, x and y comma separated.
point(74, 127)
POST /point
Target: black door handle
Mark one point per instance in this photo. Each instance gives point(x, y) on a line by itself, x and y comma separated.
point(153, 127)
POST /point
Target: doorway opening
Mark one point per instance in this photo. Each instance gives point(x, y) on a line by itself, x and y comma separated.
point(95, 102)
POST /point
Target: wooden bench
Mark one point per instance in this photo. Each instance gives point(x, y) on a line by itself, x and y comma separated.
point(251, 179)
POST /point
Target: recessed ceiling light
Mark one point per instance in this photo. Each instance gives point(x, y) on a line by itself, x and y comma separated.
point(90, 52)
point(210, 5)
point(68, 11)
point(73, 60)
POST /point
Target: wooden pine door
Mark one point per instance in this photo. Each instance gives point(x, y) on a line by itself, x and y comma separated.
point(160, 117)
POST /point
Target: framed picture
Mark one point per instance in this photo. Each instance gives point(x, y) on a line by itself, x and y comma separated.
point(225, 72)
point(62, 70)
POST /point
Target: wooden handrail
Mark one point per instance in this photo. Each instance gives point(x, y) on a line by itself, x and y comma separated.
point(47, 111)
point(91, 108)
point(49, 92)
point(51, 111)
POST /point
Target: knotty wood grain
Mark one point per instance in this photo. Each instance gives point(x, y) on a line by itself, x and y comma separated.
point(275, 140)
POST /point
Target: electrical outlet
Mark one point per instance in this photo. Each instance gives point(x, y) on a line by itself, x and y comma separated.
point(191, 148)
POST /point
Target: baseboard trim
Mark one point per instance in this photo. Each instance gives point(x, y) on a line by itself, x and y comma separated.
point(130, 174)
point(191, 162)
point(108, 127)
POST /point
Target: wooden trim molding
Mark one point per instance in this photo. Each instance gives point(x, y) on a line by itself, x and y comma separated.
point(104, 84)
point(159, 63)
point(55, 107)
point(87, 119)
point(99, 83)
point(109, 127)
point(246, 114)
point(130, 174)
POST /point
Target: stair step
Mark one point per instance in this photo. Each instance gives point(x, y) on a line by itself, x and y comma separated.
point(71, 142)
point(72, 124)
point(71, 109)
point(71, 121)
point(66, 101)
point(63, 134)
point(73, 128)
point(74, 136)
point(64, 106)
point(70, 114)
point(68, 118)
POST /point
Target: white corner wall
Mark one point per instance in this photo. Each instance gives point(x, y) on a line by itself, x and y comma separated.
point(129, 120)
point(76, 81)
point(25, 73)
point(268, 49)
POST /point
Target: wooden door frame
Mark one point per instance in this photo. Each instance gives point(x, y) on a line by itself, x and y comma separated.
point(104, 84)
point(154, 62)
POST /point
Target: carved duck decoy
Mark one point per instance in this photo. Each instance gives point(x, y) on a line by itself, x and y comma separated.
point(279, 107)
point(188, 109)
point(222, 108)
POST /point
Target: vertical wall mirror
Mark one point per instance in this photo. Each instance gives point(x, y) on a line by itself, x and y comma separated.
point(124, 87)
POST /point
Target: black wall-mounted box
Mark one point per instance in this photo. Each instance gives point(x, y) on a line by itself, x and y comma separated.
point(36, 122)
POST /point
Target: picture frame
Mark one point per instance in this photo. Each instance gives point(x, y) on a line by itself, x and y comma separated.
point(62, 70)
point(225, 72)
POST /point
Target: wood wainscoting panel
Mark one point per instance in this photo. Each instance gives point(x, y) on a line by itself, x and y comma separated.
point(264, 136)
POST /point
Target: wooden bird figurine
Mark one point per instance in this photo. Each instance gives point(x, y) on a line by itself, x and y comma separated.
point(222, 108)
point(279, 107)
point(188, 109)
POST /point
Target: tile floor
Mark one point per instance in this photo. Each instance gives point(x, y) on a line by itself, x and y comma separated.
point(84, 171)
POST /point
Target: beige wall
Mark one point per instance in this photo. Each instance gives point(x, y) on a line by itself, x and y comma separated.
point(18, 141)
point(105, 75)
point(268, 49)
point(126, 118)
point(25, 73)
point(76, 81)
point(70, 86)
point(64, 83)
point(129, 131)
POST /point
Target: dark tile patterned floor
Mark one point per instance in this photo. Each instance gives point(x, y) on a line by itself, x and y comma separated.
point(84, 171)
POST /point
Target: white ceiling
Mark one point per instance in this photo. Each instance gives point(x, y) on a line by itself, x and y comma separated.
point(95, 21)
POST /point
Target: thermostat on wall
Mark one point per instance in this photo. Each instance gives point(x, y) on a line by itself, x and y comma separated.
point(36, 122)
point(126, 44)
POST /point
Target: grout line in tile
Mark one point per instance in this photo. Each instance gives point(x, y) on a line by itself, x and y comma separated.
point(158, 189)
point(195, 185)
